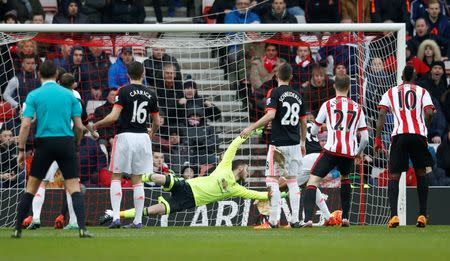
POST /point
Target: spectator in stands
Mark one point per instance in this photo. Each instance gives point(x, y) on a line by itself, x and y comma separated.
point(70, 14)
point(339, 70)
point(25, 80)
point(117, 74)
point(278, 14)
point(422, 34)
point(5, 6)
point(349, 9)
point(126, 12)
point(264, 68)
point(191, 100)
point(64, 54)
point(153, 65)
point(92, 160)
point(10, 17)
point(9, 175)
point(322, 11)
point(94, 10)
point(394, 10)
point(169, 90)
point(436, 80)
point(259, 97)
point(78, 68)
point(319, 90)
point(302, 66)
point(106, 134)
point(419, 66)
point(445, 105)
point(178, 153)
point(188, 172)
point(159, 164)
point(443, 162)
point(437, 22)
point(220, 9)
point(38, 18)
point(97, 64)
point(439, 126)
point(419, 9)
point(287, 51)
point(429, 52)
point(26, 8)
point(201, 139)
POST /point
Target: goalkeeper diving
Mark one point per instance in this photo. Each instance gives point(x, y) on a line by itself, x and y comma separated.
point(186, 194)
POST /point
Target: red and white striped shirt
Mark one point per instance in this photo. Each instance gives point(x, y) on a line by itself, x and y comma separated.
point(408, 103)
point(344, 118)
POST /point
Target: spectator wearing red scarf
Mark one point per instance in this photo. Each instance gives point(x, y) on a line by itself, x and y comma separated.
point(301, 67)
point(264, 68)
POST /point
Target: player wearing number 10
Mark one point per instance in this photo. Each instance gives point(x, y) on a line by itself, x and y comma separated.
point(286, 111)
point(132, 148)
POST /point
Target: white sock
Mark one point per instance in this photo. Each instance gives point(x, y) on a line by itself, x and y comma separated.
point(274, 201)
point(139, 197)
point(38, 201)
point(115, 193)
point(72, 216)
point(294, 199)
point(320, 202)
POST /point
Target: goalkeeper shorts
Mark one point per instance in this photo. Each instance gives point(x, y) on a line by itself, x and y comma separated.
point(181, 198)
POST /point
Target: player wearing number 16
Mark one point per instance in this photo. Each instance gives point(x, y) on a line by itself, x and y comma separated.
point(286, 111)
point(132, 149)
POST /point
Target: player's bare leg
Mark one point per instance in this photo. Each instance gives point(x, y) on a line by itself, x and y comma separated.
point(273, 186)
point(394, 178)
point(310, 198)
point(345, 199)
point(115, 193)
point(38, 201)
point(422, 193)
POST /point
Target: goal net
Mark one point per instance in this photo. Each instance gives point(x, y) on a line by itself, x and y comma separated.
point(211, 82)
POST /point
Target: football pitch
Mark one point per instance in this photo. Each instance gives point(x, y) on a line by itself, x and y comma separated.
point(231, 243)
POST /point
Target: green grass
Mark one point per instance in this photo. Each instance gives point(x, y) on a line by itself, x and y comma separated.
point(236, 243)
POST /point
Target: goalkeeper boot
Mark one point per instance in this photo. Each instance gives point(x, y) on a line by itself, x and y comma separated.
point(115, 224)
point(85, 234)
point(345, 223)
point(34, 225)
point(27, 221)
point(107, 217)
point(71, 227)
point(133, 226)
point(16, 233)
point(330, 222)
point(295, 225)
point(393, 222)
point(59, 222)
point(421, 221)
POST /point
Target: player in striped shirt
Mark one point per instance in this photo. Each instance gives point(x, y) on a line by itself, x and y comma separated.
point(344, 119)
point(413, 110)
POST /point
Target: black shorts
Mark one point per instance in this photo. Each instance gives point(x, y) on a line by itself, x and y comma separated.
point(59, 149)
point(409, 146)
point(328, 161)
point(181, 197)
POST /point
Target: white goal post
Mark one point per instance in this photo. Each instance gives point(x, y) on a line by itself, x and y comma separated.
point(237, 33)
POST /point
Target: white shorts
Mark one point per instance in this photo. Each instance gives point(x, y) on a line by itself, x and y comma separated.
point(293, 161)
point(50, 176)
point(131, 154)
point(308, 162)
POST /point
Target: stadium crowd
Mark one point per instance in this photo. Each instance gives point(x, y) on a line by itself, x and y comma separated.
point(186, 142)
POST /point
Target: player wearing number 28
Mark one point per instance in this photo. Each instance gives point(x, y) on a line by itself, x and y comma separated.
point(344, 119)
point(132, 149)
point(413, 110)
point(285, 109)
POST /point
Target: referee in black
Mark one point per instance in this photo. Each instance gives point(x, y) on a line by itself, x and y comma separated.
point(54, 108)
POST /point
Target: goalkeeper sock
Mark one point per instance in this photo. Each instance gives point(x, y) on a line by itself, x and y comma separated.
point(38, 201)
point(138, 195)
point(294, 199)
point(115, 193)
point(72, 216)
point(422, 192)
point(309, 201)
point(78, 207)
point(393, 195)
point(24, 207)
point(345, 197)
point(274, 200)
point(145, 212)
point(129, 213)
point(320, 202)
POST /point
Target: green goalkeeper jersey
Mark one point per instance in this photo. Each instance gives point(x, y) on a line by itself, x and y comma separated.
point(221, 183)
